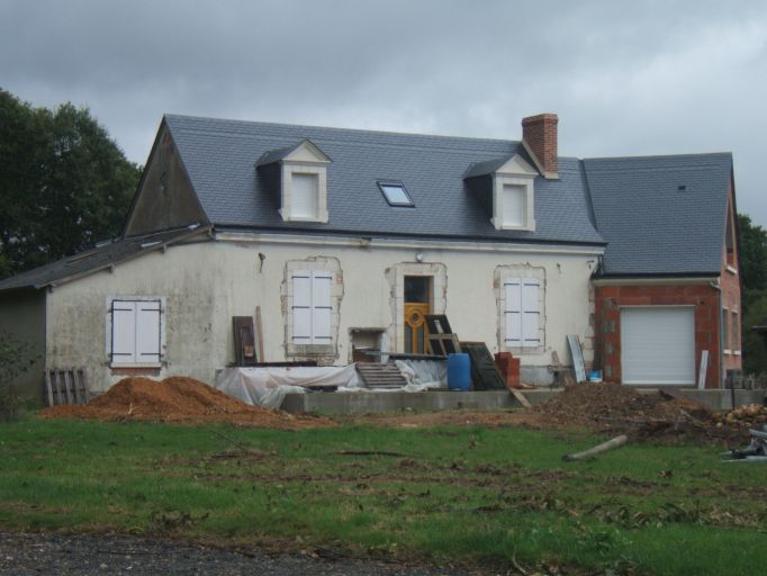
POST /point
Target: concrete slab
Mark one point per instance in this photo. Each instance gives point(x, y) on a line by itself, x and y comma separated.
point(376, 402)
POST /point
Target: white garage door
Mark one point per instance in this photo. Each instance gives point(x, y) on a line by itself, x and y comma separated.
point(658, 345)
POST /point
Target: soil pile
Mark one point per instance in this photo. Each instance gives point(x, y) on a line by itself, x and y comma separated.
point(612, 408)
point(178, 399)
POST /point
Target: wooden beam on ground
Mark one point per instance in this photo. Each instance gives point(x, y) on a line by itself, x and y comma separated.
point(616, 442)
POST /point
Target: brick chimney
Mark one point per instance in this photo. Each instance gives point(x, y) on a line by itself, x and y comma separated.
point(540, 134)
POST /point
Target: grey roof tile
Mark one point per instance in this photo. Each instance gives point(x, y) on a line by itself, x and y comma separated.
point(653, 227)
point(94, 259)
point(221, 156)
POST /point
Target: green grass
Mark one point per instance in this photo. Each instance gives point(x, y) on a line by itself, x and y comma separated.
point(456, 494)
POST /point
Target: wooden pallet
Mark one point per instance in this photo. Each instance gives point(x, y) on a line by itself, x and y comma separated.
point(442, 341)
point(380, 376)
point(484, 372)
point(66, 387)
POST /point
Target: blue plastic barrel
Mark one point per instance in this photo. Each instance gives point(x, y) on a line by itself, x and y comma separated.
point(458, 372)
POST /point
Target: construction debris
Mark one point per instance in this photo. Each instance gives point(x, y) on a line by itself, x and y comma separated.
point(756, 451)
point(657, 416)
point(178, 400)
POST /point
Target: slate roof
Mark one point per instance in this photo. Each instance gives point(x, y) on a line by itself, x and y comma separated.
point(651, 225)
point(221, 155)
point(98, 258)
point(633, 204)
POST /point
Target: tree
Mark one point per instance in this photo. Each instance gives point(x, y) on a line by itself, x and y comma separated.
point(753, 254)
point(753, 269)
point(63, 184)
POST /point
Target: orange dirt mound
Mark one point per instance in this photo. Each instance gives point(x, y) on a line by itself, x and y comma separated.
point(178, 399)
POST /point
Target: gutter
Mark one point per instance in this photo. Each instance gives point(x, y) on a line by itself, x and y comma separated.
point(303, 239)
point(369, 235)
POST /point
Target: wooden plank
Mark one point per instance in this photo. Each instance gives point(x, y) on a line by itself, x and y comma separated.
point(260, 334)
point(438, 324)
point(67, 386)
point(381, 375)
point(702, 370)
point(76, 387)
point(244, 341)
point(444, 344)
point(577, 354)
point(58, 396)
point(48, 388)
point(520, 398)
point(83, 387)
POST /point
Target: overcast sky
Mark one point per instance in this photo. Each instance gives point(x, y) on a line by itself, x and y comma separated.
point(625, 77)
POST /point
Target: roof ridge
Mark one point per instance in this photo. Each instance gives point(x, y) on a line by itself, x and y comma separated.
point(339, 129)
point(659, 156)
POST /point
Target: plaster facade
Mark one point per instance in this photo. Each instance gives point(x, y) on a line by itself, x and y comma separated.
point(204, 284)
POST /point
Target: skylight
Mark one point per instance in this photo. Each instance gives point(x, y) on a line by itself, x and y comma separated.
point(395, 194)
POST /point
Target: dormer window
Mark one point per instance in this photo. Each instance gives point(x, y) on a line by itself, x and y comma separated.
point(395, 194)
point(513, 195)
point(512, 179)
point(303, 181)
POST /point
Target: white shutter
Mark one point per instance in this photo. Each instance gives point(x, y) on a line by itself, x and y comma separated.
point(514, 205)
point(530, 312)
point(321, 307)
point(522, 312)
point(148, 331)
point(513, 311)
point(302, 307)
point(304, 195)
point(123, 332)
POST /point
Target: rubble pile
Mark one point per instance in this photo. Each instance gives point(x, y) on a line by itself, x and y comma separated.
point(662, 416)
point(749, 416)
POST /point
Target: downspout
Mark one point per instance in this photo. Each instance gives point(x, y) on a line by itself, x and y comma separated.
point(716, 286)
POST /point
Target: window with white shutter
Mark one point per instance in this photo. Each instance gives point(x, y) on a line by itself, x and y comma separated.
point(522, 312)
point(136, 332)
point(312, 307)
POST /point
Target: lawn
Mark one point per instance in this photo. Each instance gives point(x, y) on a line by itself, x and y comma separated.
point(480, 496)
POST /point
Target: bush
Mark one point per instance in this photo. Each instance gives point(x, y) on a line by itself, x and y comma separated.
point(15, 358)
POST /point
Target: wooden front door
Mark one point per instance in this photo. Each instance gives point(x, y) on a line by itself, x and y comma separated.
point(417, 306)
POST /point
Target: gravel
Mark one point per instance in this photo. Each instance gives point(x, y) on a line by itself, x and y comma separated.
point(24, 554)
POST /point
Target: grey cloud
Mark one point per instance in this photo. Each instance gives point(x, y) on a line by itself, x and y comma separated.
point(625, 78)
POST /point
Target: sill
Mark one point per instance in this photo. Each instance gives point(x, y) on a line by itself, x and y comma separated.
point(729, 352)
point(149, 365)
point(736, 353)
point(303, 219)
point(731, 270)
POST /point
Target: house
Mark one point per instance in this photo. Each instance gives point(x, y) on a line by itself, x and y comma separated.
point(345, 239)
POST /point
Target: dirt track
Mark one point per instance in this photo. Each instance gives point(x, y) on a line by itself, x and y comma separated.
point(86, 555)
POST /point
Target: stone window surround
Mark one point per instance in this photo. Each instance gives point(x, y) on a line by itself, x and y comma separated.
point(396, 278)
point(520, 271)
point(323, 353)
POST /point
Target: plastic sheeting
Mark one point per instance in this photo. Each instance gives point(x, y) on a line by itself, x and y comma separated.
point(423, 374)
point(268, 386)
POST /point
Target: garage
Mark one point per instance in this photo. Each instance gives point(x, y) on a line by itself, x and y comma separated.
point(658, 345)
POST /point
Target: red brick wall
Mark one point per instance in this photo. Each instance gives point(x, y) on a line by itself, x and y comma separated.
point(540, 133)
point(607, 319)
